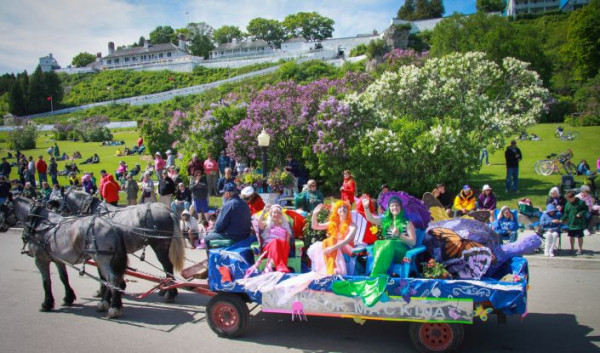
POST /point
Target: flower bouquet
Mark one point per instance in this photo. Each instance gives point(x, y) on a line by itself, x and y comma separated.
point(434, 269)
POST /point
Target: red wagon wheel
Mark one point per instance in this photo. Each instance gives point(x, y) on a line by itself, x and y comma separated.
point(436, 337)
point(227, 315)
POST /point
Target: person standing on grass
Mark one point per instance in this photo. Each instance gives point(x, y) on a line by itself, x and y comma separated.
point(513, 156)
point(132, 189)
point(159, 166)
point(575, 211)
point(53, 171)
point(110, 190)
point(31, 171)
point(211, 168)
point(166, 187)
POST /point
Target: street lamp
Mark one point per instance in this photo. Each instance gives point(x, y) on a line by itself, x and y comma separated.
point(263, 142)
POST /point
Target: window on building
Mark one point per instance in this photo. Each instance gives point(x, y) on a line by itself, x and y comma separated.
point(160, 55)
point(168, 54)
point(109, 61)
point(126, 60)
point(116, 61)
point(134, 58)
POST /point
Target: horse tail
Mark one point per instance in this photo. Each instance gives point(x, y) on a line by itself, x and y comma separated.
point(177, 247)
point(119, 260)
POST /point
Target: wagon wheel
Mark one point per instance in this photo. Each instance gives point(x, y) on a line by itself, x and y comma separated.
point(436, 337)
point(227, 315)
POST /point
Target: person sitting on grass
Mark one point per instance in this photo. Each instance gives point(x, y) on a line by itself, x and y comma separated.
point(583, 168)
point(506, 225)
point(487, 201)
point(73, 180)
point(29, 191)
point(121, 170)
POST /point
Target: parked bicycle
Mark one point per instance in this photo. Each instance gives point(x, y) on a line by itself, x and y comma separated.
point(565, 135)
point(554, 163)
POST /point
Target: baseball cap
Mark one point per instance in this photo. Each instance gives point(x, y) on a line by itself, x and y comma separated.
point(230, 187)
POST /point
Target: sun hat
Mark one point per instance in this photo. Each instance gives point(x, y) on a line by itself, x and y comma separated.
point(486, 187)
point(247, 191)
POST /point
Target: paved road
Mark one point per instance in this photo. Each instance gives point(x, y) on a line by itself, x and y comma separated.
point(564, 316)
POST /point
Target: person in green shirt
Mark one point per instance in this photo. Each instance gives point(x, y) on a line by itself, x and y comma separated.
point(574, 214)
point(45, 191)
point(309, 199)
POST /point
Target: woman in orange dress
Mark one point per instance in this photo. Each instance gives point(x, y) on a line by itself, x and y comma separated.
point(327, 256)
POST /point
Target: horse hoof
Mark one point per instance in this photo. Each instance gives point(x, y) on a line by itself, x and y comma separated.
point(169, 299)
point(102, 306)
point(114, 313)
point(47, 307)
point(68, 301)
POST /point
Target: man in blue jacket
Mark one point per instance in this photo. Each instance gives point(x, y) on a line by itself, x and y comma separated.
point(234, 220)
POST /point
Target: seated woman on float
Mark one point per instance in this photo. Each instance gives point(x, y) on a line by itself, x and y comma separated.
point(398, 232)
point(327, 256)
point(275, 232)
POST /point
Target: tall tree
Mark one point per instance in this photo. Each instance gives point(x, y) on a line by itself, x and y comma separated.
point(490, 5)
point(407, 11)
point(583, 41)
point(83, 59)
point(163, 34)
point(53, 86)
point(437, 8)
point(422, 10)
point(309, 25)
point(200, 38)
point(227, 34)
point(140, 42)
point(271, 31)
point(37, 92)
point(16, 101)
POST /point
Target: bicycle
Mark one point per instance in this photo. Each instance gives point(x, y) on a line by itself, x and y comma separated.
point(554, 162)
point(565, 135)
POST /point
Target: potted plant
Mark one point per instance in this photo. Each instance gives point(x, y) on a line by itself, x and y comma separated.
point(434, 269)
point(279, 180)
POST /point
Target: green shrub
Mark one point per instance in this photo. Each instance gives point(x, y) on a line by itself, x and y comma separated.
point(376, 48)
point(23, 137)
point(358, 50)
point(93, 130)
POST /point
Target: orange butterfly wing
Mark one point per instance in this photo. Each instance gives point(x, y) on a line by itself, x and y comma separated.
point(454, 244)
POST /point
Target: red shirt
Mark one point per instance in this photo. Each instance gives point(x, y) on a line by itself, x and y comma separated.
point(210, 165)
point(110, 189)
point(256, 204)
point(349, 188)
point(140, 142)
point(41, 166)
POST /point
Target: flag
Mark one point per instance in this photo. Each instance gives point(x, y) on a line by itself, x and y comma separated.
point(49, 98)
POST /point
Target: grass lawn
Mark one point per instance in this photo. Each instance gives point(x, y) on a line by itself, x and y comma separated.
point(531, 185)
point(108, 160)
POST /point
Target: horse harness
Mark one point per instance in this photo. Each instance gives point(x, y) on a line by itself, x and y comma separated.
point(30, 230)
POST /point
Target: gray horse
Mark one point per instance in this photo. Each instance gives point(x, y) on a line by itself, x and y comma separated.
point(52, 238)
point(150, 224)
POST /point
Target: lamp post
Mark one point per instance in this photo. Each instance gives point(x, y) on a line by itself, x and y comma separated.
point(263, 142)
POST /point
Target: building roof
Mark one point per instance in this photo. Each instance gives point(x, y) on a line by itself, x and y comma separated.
point(162, 47)
point(259, 43)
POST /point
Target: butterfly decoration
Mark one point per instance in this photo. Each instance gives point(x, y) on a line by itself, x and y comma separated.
point(482, 313)
point(454, 243)
point(405, 291)
point(473, 263)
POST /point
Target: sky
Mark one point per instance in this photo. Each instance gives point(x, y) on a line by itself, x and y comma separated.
point(30, 29)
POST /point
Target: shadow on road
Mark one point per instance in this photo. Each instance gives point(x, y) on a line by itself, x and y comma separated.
point(536, 333)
